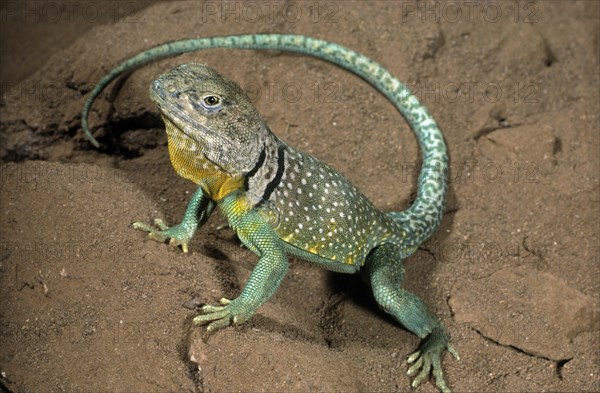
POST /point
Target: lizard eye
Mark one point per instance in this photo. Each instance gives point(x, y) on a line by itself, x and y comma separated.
point(211, 101)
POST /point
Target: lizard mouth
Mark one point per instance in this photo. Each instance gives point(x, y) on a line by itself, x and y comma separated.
point(174, 109)
point(168, 108)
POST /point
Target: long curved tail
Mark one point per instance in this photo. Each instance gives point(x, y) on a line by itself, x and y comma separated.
point(424, 215)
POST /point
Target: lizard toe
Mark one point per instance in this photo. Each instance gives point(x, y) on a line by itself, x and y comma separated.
point(177, 235)
point(230, 312)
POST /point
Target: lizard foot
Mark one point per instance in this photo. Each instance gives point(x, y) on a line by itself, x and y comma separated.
point(228, 313)
point(428, 359)
point(179, 235)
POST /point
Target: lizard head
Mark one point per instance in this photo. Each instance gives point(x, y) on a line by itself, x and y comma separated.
point(210, 122)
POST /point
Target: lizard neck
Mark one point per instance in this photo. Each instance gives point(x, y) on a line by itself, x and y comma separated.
point(189, 162)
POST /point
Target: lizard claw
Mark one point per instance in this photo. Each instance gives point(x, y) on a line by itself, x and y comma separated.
point(230, 312)
point(222, 226)
point(427, 360)
point(178, 235)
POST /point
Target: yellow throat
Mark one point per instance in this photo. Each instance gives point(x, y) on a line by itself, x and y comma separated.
point(189, 161)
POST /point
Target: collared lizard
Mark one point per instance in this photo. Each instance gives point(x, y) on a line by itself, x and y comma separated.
point(281, 201)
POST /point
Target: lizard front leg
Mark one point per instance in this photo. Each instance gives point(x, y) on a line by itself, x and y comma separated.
point(197, 212)
point(260, 238)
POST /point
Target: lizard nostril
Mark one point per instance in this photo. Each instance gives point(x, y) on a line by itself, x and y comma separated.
point(163, 89)
point(158, 89)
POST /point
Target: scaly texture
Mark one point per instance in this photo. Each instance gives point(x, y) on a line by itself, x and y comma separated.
point(281, 201)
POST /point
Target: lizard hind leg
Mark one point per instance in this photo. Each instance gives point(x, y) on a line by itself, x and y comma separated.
point(385, 274)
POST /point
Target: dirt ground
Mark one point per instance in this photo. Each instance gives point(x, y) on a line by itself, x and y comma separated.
point(88, 304)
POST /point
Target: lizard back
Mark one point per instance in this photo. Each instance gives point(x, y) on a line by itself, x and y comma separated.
point(316, 209)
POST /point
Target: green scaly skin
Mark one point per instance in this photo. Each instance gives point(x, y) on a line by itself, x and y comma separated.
point(281, 201)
